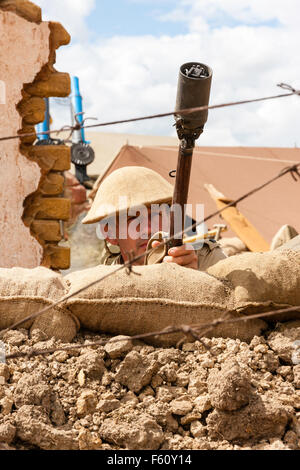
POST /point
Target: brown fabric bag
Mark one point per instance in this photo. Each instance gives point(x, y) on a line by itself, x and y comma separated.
point(26, 291)
point(263, 281)
point(162, 295)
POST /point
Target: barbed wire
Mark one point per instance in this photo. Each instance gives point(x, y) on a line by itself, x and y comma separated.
point(192, 329)
point(78, 126)
point(128, 265)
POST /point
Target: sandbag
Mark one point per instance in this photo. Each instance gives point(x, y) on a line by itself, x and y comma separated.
point(263, 281)
point(154, 298)
point(26, 291)
point(232, 246)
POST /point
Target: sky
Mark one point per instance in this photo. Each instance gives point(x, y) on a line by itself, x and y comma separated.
point(127, 55)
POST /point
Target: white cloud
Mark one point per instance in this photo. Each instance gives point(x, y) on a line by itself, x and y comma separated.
point(125, 77)
point(71, 13)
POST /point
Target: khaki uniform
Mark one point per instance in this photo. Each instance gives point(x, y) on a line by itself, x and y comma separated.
point(208, 255)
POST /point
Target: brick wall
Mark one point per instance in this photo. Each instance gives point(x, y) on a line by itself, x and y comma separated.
point(31, 177)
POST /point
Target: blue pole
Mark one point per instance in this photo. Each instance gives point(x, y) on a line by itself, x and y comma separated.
point(45, 125)
point(77, 106)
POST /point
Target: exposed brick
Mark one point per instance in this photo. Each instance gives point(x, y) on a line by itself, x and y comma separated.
point(48, 208)
point(57, 84)
point(52, 184)
point(24, 8)
point(32, 110)
point(26, 129)
point(51, 157)
point(57, 257)
point(48, 230)
point(59, 36)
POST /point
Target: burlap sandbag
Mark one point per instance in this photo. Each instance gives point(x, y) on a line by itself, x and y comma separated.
point(263, 281)
point(26, 291)
point(161, 295)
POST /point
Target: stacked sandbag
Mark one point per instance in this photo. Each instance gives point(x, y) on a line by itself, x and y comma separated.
point(24, 292)
point(153, 298)
point(263, 281)
point(232, 246)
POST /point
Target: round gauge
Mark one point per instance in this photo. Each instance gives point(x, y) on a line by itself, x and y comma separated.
point(82, 154)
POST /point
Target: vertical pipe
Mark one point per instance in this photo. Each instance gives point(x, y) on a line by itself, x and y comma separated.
point(78, 136)
point(45, 125)
point(181, 188)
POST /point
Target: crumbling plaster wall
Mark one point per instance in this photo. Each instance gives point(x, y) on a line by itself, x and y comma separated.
point(31, 177)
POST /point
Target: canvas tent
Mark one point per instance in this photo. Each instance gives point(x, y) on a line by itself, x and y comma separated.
point(233, 171)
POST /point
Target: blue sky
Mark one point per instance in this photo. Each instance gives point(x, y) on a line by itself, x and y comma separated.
point(127, 54)
point(143, 17)
point(126, 17)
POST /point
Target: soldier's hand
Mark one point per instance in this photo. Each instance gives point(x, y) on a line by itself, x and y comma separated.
point(184, 255)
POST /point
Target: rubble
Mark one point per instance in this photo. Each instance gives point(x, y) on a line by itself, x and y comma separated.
point(243, 396)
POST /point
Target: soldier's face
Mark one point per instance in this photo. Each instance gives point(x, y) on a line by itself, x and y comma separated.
point(140, 229)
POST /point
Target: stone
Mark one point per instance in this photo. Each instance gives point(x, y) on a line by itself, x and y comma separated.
point(169, 372)
point(34, 427)
point(282, 342)
point(263, 417)
point(51, 157)
point(230, 388)
point(57, 257)
point(49, 208)
point(52, 184)
point(6, 404)
point(198, 382)
point(291, 440)
point(57, 84)
point(86, 403)
point(203, 403)
point(190, 417)
point(92, 364)
point(4, 372)
point(162, 414)
point(15, 337)
point(130, 399)
point(7, 433)
point(88, 440)
point(60, 356)
point(136, 371)
point(32, 389)
point(147, 391)
point(47, 230)
point(57, 414)
point(81, 378)
point(181, 406)
point(197, 429)
point(131, 431)
point(167, 356)
point(118, 346)
point(59, 36)
point(32, 110)
point(296, 372)
point(108, 405)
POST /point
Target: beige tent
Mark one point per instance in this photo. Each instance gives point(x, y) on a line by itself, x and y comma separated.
point(233, 171)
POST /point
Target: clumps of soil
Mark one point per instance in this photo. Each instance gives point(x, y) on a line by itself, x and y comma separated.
point(129, 395)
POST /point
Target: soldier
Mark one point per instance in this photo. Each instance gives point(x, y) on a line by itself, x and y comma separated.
point(134, 190)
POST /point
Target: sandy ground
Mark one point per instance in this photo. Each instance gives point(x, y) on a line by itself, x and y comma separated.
point(135, 396)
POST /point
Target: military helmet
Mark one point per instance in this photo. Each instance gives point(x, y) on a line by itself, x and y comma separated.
point(126, 188)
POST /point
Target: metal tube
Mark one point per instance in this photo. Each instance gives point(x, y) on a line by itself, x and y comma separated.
point(78, 136)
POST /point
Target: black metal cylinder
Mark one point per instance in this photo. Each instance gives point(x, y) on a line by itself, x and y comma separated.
point(193, 90)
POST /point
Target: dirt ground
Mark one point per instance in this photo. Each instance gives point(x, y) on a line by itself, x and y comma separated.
point(135, 396)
